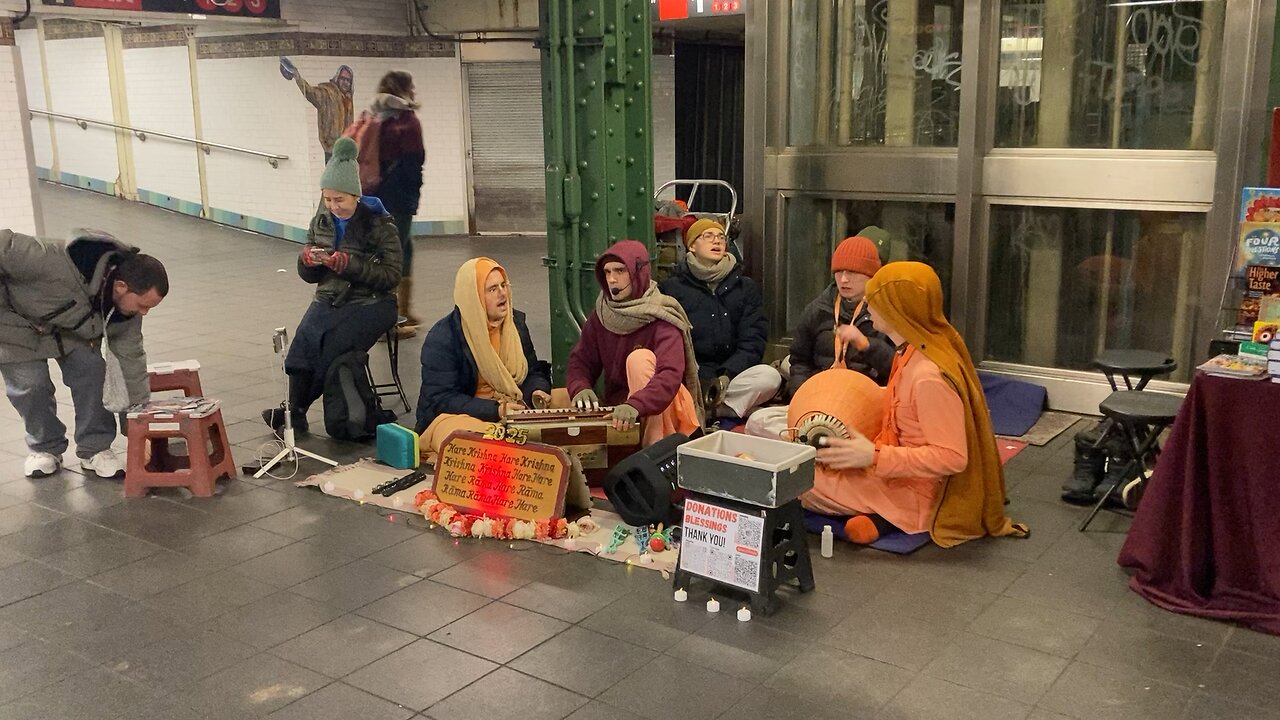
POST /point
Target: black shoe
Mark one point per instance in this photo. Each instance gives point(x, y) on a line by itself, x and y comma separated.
point(274, 418)
point(1090, 465)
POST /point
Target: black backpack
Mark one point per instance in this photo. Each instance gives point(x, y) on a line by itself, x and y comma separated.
point(352, 411)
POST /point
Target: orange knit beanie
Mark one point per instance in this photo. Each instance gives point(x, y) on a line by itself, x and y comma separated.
point(857, 254)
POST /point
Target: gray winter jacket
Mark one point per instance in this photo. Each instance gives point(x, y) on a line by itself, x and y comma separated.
point(47, 303)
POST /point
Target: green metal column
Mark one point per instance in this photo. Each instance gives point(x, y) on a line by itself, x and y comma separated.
point(597, 120)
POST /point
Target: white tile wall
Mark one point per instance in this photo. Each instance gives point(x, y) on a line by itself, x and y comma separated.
point(158, 81)
point(29, 45)
point(17, 211)
point(79, 85)
point(664, 119)
point(383, 17)
point(245, 102)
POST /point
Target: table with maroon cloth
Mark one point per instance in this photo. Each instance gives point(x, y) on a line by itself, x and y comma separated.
point(1206, 538)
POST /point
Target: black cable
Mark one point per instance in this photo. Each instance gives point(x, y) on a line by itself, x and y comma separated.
point(422, 22)
point(25, 14)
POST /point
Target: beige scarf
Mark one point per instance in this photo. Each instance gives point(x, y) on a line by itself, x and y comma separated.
point(627, 316)
point(712, 273)
point(506, 368)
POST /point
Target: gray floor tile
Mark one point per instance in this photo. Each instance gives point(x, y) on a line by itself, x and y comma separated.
point(997, 667)
point(649, 618)
point(421, 674)
point(1210, 707)
point(95, 694)
point(667, 684)
point(234, 546)
point(134, 627)
point(273, 619)
point(1163, 657)
point(34, 665)
point(571, 594)
point(255, 687)
point(932, 601)
point(1089, 692)
point(20, 517)
point(291, 565)
point(927, 698)
point(493, 574)
point(1039, 627)
point(600, 711)
point(491, 697)
point(209, 596)
point(97, 557)
point(181, 659)
point(829, 677)
point(880, 635)
point(75, 605)
point(499, 632)
point(12, 636)
point(154, 574)
point(1247, 679)
point(343, 646)
point(424, 607)
point(354, 585)
point(583, 661)
point(1253, 642)
point(745, 650)
point(427, 554)
point(302, 521)
point(39, 541)
point(777, 704)
point(25, 579)
point(353, 533)
point(1133, 611)
point(341, 702)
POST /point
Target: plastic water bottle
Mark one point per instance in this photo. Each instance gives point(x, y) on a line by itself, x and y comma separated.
point(828, 541)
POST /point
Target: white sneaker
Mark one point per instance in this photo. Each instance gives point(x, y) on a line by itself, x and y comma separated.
point(41, 464)
point(105, 464)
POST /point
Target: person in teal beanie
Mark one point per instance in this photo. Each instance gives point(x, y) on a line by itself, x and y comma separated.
point(352, 256)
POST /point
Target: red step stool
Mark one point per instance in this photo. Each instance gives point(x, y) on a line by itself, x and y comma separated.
point(184, 376)
point(198, 422)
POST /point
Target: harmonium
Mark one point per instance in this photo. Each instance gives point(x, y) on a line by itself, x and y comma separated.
point(585, 434)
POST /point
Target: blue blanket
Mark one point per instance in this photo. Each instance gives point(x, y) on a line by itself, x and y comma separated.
point(1015, 404)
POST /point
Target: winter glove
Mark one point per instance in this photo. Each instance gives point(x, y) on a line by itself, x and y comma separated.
point(312, 255)
point(624, 417)
point(586, 400)
point(338, 261)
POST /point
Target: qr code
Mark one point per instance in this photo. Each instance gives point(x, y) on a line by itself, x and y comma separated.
point(746, 571)
point(749, 531)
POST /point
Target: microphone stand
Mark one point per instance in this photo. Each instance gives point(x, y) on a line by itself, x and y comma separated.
point(290, 451)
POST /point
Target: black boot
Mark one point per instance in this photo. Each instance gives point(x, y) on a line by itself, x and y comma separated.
point(1090, 463)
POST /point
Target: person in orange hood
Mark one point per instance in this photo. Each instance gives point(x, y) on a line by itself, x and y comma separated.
point(934, 465)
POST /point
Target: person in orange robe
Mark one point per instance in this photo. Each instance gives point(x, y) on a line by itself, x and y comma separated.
point(934, 465)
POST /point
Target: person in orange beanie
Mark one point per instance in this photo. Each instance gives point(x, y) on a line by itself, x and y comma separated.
point(934, 465)
point(835, 329)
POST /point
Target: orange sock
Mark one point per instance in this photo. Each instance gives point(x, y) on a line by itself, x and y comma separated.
point(861, 529)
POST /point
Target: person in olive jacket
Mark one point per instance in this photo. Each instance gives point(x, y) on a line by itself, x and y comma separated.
point(352, 256)
point(729, 328)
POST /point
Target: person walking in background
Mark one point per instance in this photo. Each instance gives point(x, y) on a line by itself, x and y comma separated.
point(400, 159)
point(332, 100)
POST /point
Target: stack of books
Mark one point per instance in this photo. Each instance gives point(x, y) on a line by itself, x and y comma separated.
point(1273, 360)
point(1246, 367)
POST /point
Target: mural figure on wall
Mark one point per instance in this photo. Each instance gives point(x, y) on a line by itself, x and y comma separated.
point(332, 100)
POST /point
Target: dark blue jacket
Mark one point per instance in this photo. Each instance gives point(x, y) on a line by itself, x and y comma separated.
point(450, 375)
point(729, 327)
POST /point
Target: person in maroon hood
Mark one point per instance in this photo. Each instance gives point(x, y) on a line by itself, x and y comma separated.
point(639, 338)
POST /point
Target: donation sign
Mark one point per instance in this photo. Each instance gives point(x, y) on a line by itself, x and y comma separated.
point(482, 476)
point(722, 544)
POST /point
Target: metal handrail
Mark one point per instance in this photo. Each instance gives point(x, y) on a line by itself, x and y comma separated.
point(142, 134)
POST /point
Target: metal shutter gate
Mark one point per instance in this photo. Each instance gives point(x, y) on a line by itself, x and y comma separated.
point(504, 105)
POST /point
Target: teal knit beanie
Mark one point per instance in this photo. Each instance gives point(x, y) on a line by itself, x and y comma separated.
point(342, 173)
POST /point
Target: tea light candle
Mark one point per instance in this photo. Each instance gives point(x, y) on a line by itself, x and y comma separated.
point(744, 614)
point(681, 595)
point(328, 487)
point(357, 495)
point(713, 605)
